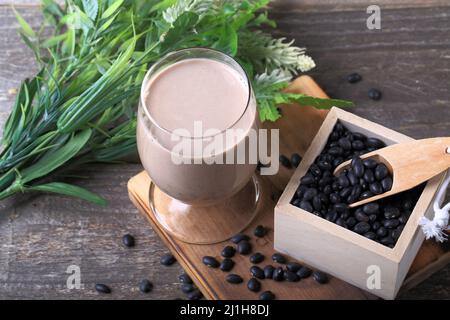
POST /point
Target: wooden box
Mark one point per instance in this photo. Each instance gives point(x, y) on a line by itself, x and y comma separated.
point(342, 252)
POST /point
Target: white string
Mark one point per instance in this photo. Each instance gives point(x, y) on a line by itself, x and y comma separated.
point(435, 228)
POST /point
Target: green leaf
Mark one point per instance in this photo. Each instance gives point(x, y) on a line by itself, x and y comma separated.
point(26, 29)
point(91, 8)
point(55, 40)
point(69, 190)
point(56, 158)
point(111, 9)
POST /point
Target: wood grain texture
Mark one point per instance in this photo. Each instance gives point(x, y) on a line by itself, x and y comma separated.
point(40, 235)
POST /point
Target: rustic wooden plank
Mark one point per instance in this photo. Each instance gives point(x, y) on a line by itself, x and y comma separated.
point(41, 236)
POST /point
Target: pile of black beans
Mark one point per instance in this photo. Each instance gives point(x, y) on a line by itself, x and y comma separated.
point(327, 196)
point(283, 270)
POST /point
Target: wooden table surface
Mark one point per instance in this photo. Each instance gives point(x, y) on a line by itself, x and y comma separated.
point(41, 235)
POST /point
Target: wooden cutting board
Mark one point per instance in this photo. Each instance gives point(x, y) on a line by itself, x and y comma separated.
point(297, 128)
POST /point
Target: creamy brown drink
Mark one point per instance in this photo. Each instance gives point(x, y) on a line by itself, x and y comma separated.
point(174, 98)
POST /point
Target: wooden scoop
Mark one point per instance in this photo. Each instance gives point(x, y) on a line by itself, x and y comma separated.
point(409, 163)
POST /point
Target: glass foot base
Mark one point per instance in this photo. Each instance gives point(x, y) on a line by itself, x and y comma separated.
point(206, 224)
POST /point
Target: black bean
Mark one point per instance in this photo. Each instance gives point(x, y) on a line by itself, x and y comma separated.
point(195, 295)
point(268, 271)
point(371, 208)
point(267, 295)
point(320, 277)
point(291, 276)
point(352, 178)
point(331, 216)
point(376, 188)
point(339, 127)
point(210, 262)
point(345, 192)
point(361, 216)
point(228, 252)
point(370, 235)
point(374, 94)
point(337, 161)
point(278, 257)
point(335, 198)
point(381, 171)
point(260, 231)
point(184, 278)
point(345, 143)
point(381, 232)
point(341, 222)
point(145, 286)
point(305, 205)
point(257, 272)
point(372, 218)
point(391, 223)
point(293, 266)
point(375, 143)
point(335, 151)
point(386, 183)
point(366, 194)
point(244, 247)
point(408, 205)
point(361, 227)
point(358, 145)
point(304, 272)
point(310, 194)
point(307, 180)
point(354, 77)
point(317, 203)
point(315, 170)
point(257, 258)
point(128, 240)
point(226, 265)
point(285, 161)
point(351, 222)
point(254, 285)
point(327, 189)
point(239, 237)
point(387, 240)
point(295, 159)
point(300, 191)
point(102, 288)
point(359, 136)
point(187, 287)
point(395, 234)
point(278, 274)
point(369, 177)
point(356, 191)
point(234, 278)
point(340, 208)
point(343, 181)
point(370, 163)
point(376, 225)
point(325, 166)
point(391, 212)
point(403, 219)
point(167, 259)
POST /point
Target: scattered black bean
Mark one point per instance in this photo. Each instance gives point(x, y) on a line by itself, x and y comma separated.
point(102, 288)
point(128, 240)
point(187, 287)
point(254, 285)
point(257, 272)
point(195, 295)
point(291, 276)
point(304, 272)
point(226, 265)
point(278, 274)
point(145, 286)
point(244, 247)
point(268, 271)
point(374, 94)
point(320, 277)
point(354, 77)
point(260, 231)
point(184, 278)
point(239, 237)
point(278, 257)
point(228, 252)
point(256, 258)
point(285, 161)
point(293, 266)
point(296, 159)
point(168, 259)
point(211, 262)
point(234, 278)
point(267, 295)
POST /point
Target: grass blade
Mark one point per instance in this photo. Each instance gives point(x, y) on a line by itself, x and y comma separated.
point(69, 190)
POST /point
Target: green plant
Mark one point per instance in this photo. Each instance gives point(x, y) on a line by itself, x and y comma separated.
point(80, 107)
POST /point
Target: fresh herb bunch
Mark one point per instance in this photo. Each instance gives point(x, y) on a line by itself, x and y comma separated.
point(80, 107)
